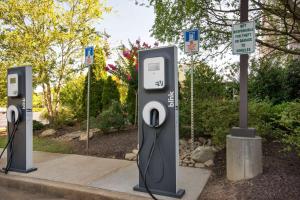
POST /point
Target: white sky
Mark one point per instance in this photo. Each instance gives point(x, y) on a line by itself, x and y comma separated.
point(127, 21)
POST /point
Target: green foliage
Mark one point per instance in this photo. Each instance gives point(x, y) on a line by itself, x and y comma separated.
point(274, 80)
point(46, 145)
point(49, 35)
point(126, 70)
point(293, 80)
point(72, 96)
point(268, 81)
point(289, 122)
point(207, 84)
point(37, 125)
point(110, 92)
point(3, 95)
point(96, 88)
point(213, 118)
point(111, 117)
point(130, 104)
point(65, 117)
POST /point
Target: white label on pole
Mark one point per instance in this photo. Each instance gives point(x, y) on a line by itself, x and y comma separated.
point(191, 41)
point(243, 38)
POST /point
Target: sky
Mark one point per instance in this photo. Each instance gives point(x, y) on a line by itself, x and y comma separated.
point(127, 21)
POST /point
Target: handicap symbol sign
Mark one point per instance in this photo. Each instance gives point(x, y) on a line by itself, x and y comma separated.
point(89, 55)
point(191, 41)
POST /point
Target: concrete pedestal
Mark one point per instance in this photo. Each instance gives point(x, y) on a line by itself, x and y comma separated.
point(243, 157)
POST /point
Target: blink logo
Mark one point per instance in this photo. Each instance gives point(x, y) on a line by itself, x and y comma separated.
point(171, 100)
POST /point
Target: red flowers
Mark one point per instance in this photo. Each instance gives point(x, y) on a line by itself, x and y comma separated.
point(126, 54)
point(129, 77)
point(110, 67)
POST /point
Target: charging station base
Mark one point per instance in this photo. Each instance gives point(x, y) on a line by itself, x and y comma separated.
point(22, 171)
point(178, 195)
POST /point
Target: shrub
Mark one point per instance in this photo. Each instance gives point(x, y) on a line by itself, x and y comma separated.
point(64, 117)
point(212, 118)
point(37, 125)
point(111, 117)
point(289, 123)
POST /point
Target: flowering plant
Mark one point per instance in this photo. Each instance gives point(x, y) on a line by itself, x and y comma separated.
point(126, 69)
point(126, 66)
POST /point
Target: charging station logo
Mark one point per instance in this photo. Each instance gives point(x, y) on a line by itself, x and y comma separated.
point(171, 99)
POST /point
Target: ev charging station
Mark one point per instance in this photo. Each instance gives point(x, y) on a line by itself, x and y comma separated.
point(19, 120)
point(158, 128)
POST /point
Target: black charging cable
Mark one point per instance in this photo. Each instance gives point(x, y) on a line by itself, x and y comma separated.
point(10, 143)
point(154, 145)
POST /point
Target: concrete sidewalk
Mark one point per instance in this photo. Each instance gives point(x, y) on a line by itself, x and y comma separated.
point(87, 177)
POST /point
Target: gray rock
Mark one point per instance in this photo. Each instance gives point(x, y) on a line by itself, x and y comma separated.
point(48, 132)
point(209, 163)
point(135, 151)
point(209, 142)
point(191, 165)
point(130, 156)
point(203, 154)
point(202, 140)
point(83, 136)
point(199, 165)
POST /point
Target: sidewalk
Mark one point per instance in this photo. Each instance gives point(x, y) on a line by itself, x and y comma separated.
point(99, 176)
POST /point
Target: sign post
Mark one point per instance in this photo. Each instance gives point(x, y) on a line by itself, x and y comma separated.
point(191, 46)
point(243, 147)
point(89, 60)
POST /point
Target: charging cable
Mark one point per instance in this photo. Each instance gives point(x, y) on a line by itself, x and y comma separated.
point(10, 143)
point(153, 147)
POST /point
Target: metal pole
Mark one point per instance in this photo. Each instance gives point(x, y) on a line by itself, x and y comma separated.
point(88, 108)
point(192, 104)
point(244, 72)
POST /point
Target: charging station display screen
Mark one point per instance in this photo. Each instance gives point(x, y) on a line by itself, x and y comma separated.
point(13, 80)
point(153, 67)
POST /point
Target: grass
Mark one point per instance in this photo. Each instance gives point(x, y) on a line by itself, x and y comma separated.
point(46, 145)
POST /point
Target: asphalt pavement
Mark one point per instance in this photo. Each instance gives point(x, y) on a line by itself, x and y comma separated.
point(14, 194)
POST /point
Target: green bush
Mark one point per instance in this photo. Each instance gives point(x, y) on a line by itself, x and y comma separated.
point(37, 125)
point(289, 123)
point(213, 118)
point(111, 117)
point(65, 116)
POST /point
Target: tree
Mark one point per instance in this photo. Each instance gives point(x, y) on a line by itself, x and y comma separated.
point(110, 93)
point(126, 70)
point(277, 22)
point(50, 35)
point(2, 85)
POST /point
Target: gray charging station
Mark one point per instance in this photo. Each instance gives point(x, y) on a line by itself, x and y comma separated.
point(158, 129)
point(19, 119)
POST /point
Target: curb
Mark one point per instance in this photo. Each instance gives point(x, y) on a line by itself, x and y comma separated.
point(63, 190)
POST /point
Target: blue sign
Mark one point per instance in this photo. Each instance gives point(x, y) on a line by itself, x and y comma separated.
point(89, 55)
point(191, 41)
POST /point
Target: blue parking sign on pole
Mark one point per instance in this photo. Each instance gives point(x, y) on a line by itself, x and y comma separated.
point(191, 41)
point(89, 55)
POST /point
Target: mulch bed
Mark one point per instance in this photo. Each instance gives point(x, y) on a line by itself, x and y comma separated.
point(280, 178)
point(112, 145)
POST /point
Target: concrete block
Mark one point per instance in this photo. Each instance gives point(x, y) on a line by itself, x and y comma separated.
point(243, 157)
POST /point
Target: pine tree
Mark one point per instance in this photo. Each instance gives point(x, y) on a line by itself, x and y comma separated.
point(110, 93)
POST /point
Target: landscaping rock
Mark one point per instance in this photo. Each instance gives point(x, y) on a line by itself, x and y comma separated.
point(199, 165)
point(130, 156)
point(202, 140)
point(135, 151)
point(71, 136)
point(83, 136)
point(209, 163)
point(48, 132)
point(209, 142)
point(203, 154)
